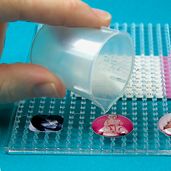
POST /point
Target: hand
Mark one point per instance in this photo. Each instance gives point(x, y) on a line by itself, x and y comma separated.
point(20, 81)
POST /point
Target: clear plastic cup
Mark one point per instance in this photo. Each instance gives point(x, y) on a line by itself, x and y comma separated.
point(93, 63)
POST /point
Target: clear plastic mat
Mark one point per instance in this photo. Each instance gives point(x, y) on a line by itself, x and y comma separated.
point(145, 101)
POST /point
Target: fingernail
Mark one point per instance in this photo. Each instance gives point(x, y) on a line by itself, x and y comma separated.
point(102, 13)
point(46, 90)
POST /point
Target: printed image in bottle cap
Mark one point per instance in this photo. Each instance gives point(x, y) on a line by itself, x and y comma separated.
point(164, 124)
point(112, 125)
point(46, 123)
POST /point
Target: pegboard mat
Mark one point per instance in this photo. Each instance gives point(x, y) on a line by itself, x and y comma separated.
point(145, 101)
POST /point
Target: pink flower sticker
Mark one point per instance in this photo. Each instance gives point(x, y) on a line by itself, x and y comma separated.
point(112, 125)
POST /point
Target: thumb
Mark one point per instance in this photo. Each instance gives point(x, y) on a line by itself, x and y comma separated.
point(21, 81)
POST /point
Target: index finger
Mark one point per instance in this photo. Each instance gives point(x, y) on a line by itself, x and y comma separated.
point(2, 36)
point(59, 12)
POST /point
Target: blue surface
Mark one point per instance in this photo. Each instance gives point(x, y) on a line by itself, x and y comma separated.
point(156, 11)
point(18, 42)
point(83, 163)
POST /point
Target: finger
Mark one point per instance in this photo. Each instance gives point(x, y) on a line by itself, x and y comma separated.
point(2, 36)
point(21, 81)
point(60, 12)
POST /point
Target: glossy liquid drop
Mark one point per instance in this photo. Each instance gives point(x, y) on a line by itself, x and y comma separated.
point(46, 123)
point(112, 125)
point(164, 124)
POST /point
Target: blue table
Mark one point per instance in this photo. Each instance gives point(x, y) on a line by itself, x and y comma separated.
point(17, 49)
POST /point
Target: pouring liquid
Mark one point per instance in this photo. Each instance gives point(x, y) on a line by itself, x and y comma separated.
point(111, 74)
